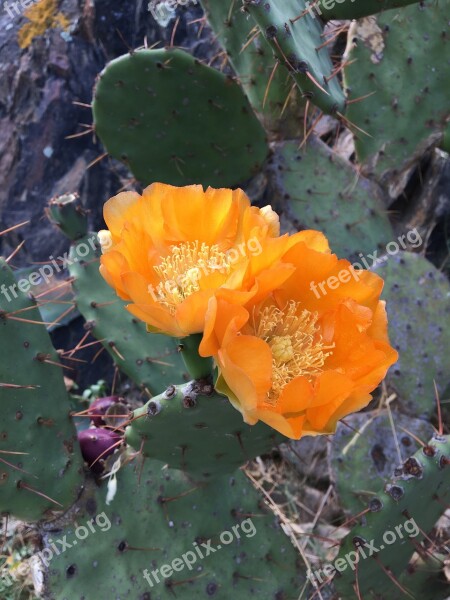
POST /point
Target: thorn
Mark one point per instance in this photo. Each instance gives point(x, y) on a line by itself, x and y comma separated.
point(274, 70)
point(350, 124)
point(12, 255)
point(115, 445)
point(174, 30)
point(16, 467)
point(78, 135)
point(247, 44)
point(83, 104)
point(13, 227)
point(438, 403)
point(116, 373)
point(339, 69)
point(355, 100)
point(25, 486)
point(305, 12)
point(286, 102)
point(130, 50)
point(97, 160)
point(98, 354)
point(308, 74)
point(305, 139)
point(351, 519)
point(171, 499)
point(112, 345)
point(28, 321)
point(392, 577)
point(14, 386)
point(418, 440)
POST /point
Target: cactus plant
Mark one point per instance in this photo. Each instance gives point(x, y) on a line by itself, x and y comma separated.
point(172, 119)
point(415, 495)
point(314, 188)
point(418, 308)
point(296, 39)
point(197, 418)
point(391, 48)
point(167, 518)
point(165, 475)
point(268, 87)
point(365, 450)
point(35, 413)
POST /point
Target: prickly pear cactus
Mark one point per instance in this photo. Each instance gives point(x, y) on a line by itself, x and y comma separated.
point(395, 49)
point(172, 119)
point(197, 418)
point(295, 36)
point(40, 462)
point(269, 89)
point(169, 536)
point(418, 308)
point(406, 509)
point(365, 450)
point(314, 188)
point(151, 360)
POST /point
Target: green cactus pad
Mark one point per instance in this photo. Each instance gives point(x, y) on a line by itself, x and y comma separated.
point(418, 308)
point(355, 9)
point(150, 360)
point(69, 215)
point(174, 120)
point(364, 452)
point(316, 189)
point(298, 45)
point(398, 58)
point(158, 517)
point(192, 428)
point(35, 410)
point(253, 60)
point(418, 495)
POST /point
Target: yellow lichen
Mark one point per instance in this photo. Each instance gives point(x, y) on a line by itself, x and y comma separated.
point(42, 15)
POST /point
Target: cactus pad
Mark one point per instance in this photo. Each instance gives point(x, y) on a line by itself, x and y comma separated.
point(160, 516)
point(295, 36)
point(418, 494)
point(151, 360)
point(46, 474)
point(316, 189)
point(398, 59)
point(192, 428)
point(172, 119)
point(418, 307)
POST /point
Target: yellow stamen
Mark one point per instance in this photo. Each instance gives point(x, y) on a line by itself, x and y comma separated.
point(181, 271)
point(296, 345)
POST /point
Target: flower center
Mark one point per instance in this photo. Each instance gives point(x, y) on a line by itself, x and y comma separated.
point(296, 345)
point(180, 272)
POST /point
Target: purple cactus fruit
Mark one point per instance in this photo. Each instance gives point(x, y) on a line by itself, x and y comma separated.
point(99, 407)
point(95, 443)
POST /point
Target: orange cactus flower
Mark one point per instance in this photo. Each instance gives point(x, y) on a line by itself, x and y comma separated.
point(296, 359)
point(169, 250)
